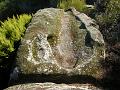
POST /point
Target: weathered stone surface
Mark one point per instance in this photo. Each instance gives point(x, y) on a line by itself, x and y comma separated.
point(58, 42)
point(53, 86)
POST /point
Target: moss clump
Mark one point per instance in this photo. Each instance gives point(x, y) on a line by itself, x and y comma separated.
point(34, 49)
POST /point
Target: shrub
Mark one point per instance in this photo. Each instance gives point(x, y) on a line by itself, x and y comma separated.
point(78, 4)
point(109, 21)
point(111, 14)
point(11, 31)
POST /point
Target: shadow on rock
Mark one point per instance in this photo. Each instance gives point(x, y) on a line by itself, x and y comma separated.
point(58, 79)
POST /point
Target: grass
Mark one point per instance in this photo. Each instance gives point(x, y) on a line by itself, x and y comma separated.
point(78, 4)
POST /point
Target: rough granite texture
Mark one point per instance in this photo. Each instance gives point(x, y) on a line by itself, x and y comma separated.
point(58, 42)
point(52, 86)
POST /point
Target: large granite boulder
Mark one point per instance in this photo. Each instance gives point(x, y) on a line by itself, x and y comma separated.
point(53, 86)
point(60, 43)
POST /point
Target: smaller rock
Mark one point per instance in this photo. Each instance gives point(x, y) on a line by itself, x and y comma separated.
point(53, 86)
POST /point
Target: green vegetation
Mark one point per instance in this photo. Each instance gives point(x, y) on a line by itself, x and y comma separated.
point(111, 14)
point(78, 4)
point(109, 20)
point(11, 31)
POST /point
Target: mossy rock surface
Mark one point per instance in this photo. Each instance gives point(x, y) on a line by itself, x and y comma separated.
point(58, 42)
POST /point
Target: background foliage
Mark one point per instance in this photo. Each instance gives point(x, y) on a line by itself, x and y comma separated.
point(109, 20)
